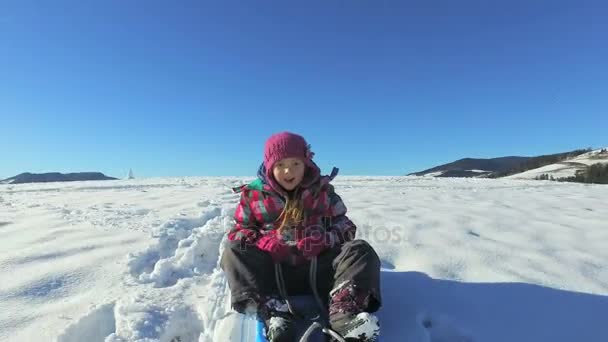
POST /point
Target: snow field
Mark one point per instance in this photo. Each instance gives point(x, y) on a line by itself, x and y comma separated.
point(463, 259)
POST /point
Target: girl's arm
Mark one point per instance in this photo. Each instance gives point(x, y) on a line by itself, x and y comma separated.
point(246, 227)
point(342, 229)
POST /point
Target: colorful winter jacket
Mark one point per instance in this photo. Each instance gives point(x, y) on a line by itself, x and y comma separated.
point(261, 205)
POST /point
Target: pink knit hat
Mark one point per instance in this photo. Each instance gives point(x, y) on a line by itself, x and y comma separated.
point(289, 145)
point(286, 145)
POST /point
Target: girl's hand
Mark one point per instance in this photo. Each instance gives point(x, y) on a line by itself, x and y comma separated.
point(314, 244)
point(278, 250)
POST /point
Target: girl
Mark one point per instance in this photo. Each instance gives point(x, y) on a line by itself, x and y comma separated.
point(291, 227)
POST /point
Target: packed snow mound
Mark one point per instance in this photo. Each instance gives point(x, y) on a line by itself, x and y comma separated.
point(566, 168)
point(462, 259)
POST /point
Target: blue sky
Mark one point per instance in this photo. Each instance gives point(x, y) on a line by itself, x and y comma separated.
point(185, 88)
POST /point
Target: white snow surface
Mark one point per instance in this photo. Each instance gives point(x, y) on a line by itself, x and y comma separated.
point(463, 259)
point(566, 168)
point(434, 174)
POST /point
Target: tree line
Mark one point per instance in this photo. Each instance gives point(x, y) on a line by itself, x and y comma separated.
point(596, 173)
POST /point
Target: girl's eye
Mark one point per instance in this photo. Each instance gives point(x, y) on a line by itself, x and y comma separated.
point(296, 163)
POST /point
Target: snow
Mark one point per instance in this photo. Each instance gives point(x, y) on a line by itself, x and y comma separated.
point(478, 171)
point(433, 174)
point(277, 324)
point(463, 259)
point(566, 168)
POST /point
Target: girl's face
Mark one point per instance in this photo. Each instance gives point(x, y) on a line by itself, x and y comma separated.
point(289, 172)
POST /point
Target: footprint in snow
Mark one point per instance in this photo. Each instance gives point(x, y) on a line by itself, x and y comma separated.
point(440, 329)
point(203, 204)
point(182, 250)
point(47, 288)
point(115, 322)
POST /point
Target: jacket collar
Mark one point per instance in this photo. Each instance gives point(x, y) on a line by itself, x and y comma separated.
point(312, 179)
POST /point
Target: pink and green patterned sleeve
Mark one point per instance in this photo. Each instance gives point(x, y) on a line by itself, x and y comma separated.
point(246, 227)
point(342, 229)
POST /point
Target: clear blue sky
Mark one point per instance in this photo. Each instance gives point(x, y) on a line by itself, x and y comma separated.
point(183, 88)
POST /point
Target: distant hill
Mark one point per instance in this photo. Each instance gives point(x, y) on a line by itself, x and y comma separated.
point(540, 161)
point(471, 167)
point(496, 167)
point(55, 177)
point(568, 168)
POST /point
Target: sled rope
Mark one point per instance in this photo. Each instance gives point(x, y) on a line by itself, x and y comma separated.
point(278, 274)
point(280, 280)
point(316, 325)
point(333, 334)
point(313, 285)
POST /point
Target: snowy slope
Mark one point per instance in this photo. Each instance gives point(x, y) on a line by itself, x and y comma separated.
point(463, 259)
point(566, 168)
point(471, 172)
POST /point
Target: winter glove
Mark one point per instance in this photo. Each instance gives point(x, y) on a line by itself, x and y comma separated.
point(278, 250)
point(247, 236)
point(313, 245)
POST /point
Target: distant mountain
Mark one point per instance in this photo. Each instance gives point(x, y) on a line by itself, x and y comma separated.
point(496, 167)
point(540, 161)
point(55, 177)
point(471, 167)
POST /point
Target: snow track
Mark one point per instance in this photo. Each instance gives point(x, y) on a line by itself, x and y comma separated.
point(184, 258)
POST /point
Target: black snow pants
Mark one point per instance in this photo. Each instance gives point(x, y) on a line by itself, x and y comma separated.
point(251, 275)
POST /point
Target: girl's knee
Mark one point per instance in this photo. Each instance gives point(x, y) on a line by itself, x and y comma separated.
point(231, 250)
point(358, 244)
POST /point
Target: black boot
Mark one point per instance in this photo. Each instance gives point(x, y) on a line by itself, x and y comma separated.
point(362, 327)
point(279, 322)
point(348, 316)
